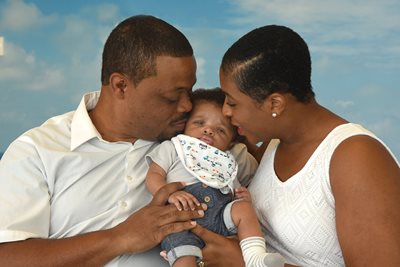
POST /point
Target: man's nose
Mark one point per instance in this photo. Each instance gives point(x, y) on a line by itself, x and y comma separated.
point(184, 105)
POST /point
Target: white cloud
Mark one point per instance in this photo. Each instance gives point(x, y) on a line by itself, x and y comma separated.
point(370, 91)
point(201, 74)
point(14, 116)
point(107, 12)
point(337, 24)
point(209, 45)
point(385, 127)
point(344, 104)
point(101, 13)
point(309, 12)
point(388, 130)
point(20, 69)
point(79, 42)
point(16, 15)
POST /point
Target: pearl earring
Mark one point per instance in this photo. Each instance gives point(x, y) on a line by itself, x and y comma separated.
point(274, 114)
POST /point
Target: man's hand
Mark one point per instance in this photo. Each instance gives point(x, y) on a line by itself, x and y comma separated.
point(219, 251)
point(148, 226)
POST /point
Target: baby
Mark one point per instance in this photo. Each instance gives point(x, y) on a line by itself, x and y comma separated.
point(201, 158)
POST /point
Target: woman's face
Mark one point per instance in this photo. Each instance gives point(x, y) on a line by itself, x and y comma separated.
point(245, 113)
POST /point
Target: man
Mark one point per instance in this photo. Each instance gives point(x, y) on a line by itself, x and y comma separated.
point(72, 191)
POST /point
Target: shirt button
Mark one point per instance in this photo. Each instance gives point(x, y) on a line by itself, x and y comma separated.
point(204, 185)
point(123, 204)
point(207, 199)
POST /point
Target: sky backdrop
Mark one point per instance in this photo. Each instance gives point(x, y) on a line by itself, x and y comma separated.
point(52, 52)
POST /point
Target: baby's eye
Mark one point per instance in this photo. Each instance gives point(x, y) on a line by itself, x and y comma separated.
point(221, 130)
point(198, 122)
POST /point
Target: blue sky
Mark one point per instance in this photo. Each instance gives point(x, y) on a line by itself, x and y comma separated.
point(52, 52)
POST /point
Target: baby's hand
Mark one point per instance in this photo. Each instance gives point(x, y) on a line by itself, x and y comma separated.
point(242, 193)
point(183, 200)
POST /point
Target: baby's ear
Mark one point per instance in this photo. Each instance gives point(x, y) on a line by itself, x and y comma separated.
point(238, 139)
point(232, 144)
point(235, 141)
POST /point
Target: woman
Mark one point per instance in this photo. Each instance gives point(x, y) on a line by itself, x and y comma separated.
point(327, 191)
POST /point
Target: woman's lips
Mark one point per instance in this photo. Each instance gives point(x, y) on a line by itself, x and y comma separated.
point(240, 130)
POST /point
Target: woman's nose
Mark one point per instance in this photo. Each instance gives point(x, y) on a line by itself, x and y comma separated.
point(226, 110)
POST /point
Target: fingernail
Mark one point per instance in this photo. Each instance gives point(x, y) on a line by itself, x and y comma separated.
point(204, 206)
point(193, 223)
point(201, 212)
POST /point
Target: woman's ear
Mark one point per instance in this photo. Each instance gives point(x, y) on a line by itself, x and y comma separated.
point(277, 103)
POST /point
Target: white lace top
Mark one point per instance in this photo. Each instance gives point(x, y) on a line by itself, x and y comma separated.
point(298, 215)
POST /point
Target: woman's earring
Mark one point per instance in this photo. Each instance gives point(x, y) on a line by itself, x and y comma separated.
point(274, 114)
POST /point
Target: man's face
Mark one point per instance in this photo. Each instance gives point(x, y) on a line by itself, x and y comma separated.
point(159, 104)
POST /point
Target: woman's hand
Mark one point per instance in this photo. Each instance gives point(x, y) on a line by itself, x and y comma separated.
point(242, 193)
point(220, 251)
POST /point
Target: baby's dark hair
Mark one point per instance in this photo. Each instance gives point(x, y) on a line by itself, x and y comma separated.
point(217, 97)
point(214, 95)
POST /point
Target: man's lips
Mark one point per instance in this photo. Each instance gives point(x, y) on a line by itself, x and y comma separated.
point(180, 123)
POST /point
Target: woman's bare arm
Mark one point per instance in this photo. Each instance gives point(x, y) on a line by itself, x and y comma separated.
point(366, 185)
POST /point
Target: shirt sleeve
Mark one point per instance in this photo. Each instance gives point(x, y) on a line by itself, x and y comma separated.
point(164, 155)
point(24, 194)
point(247, 164)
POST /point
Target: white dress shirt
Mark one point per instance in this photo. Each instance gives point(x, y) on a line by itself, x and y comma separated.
point(62, 179)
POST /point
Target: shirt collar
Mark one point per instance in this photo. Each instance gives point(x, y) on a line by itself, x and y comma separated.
point(82, 128)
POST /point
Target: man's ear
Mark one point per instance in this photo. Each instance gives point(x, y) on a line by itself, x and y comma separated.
point(118, 84)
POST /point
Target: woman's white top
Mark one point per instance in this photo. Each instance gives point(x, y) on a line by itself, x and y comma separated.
point(298, 215)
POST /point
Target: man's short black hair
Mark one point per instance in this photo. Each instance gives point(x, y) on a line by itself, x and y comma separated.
point(133, 46)
point(270, 59)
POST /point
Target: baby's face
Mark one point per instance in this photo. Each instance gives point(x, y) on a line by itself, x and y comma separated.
point(208, 124)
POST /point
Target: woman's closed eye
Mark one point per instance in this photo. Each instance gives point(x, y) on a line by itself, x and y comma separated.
point(230, 104)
